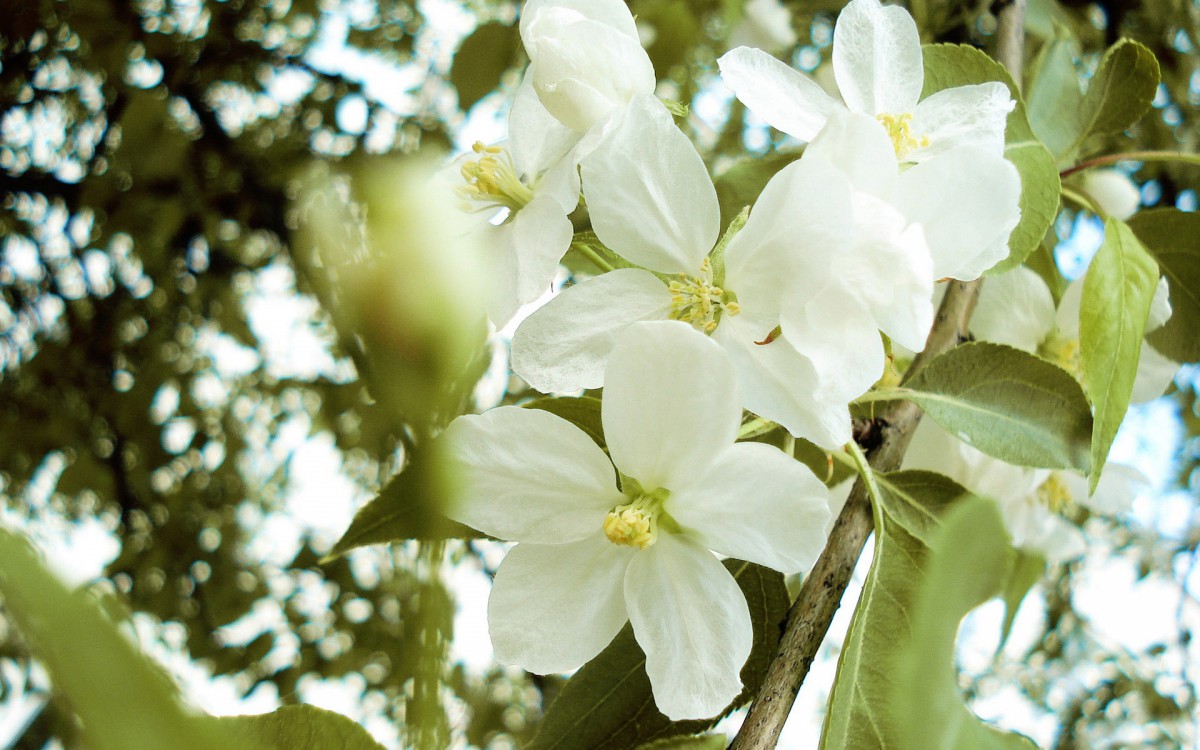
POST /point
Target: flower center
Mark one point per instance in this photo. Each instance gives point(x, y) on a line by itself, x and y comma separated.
point(492, 180)
point(635, 524)
point(899, 129)
point(1063, 352)
point(698, 301)
point(1054, 495)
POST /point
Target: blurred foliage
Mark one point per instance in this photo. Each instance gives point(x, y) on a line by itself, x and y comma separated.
point(148, 154)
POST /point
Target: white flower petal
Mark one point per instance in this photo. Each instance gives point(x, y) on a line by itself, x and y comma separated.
point(1057, 539)
point(838, 334)
point(670, 403)
point(541, 235)
point(1066, 317)
point(584, 70)
point(860, 148)
point(1155, 373)
point(1015, 308)
point(691, 619)
point(537, 140)
point(788, 100)
point(967, 200)
point(502, 270)
point(612, 13)
point(963, 116)
point(554, 607)
point(529, 476)
point(877, 58)
point(649, 194)
point(769, 252)
point(756, 503)
point(766, 24)
point(780, 384)
point(1160, 306)
point(1114, 191)
point(563, 346)
point(1118, 486)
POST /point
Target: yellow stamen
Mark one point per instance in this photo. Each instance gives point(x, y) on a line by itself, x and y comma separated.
point(492, 180)
point(1063, 352)
point(1054, 494)
point(696, 300)
point(899, 129)
point(635, 524)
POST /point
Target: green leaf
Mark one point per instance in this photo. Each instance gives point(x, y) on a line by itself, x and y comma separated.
point(968, 561)
point(481, 61)
point(408, 507)
point(1173, 238)
point(1121, 91)
point(608, 703)
point(301, 728)
point(583, 412)
point(1007, 403)
point(1117, 292)
point(1028, 568)
point(1054, 96)
point(950, 65)
point(95, 670)
point(918, 500)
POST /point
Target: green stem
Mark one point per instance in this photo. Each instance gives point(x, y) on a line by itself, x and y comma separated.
point(594, 257)
point(865, 471)
point(754, 428)
point(883, 394)
point(1164, 156)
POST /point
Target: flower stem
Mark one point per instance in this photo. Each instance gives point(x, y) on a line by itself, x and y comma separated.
point(586, 251)
point(1162, 156)
point(864, 470)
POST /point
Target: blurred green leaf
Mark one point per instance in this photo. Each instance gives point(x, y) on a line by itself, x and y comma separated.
point(1028, 568)
point(300, 728)
point(1053, 96)
point(950, 65)
point(702, 742)
point(1117, 292)
point(481, 61)
point(123, 701)
point(1173, 238)
point(608, 703)
point(582, 411)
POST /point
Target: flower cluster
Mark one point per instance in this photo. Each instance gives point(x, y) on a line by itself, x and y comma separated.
point(783, 313)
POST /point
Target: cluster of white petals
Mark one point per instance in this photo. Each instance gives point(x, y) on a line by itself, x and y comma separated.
point(1031, 501)
point(593, 555)
point(1017, 308)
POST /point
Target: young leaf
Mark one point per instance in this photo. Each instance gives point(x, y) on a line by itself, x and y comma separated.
point(1117, 293)
point(1121, 91)
point(608, 703)
point(1053, 96)
point(481, 61)
point(1008, 404)
point(300, 728)
point(1173, 238)
point(949, 65)
point(408, 507)
point(122, 700)
point(968, 561)
point(583, 412)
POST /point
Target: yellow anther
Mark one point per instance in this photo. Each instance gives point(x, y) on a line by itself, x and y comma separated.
point(492, 180)
point(635, 524)
point(899, 129)
point(696, 300)
point(1054, 494)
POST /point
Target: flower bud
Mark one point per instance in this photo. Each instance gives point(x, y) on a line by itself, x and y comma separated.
point(765, 24)
point(1113, 191)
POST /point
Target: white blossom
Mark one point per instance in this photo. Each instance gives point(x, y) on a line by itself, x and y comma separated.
point(1016, 308)
point(808, 282)
point(879, 70)
point(522, 192)
point(585, 59)
point(1031, 500)
point(1113, 191)
point(593, 555)
point(766, 24)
